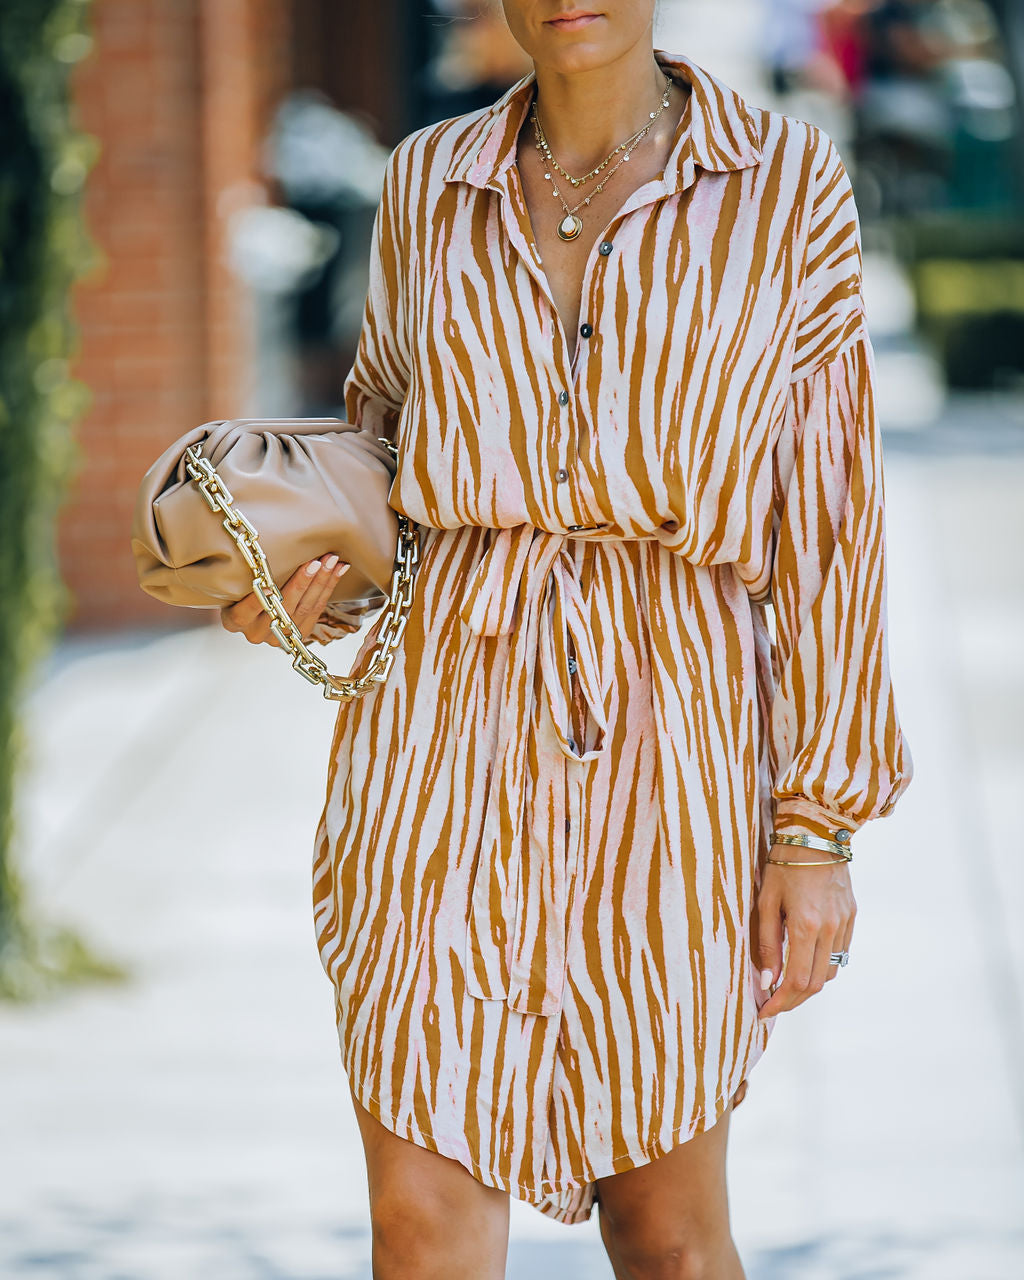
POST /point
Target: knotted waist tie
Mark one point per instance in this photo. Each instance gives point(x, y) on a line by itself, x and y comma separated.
point(526, 587)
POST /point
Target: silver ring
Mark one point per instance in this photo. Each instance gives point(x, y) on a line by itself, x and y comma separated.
point(839, 957)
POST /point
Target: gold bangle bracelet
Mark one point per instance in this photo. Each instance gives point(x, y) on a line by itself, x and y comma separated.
point(824, 862)
point(840, 845)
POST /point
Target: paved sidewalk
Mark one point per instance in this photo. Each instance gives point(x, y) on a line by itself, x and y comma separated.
point(195, 1122)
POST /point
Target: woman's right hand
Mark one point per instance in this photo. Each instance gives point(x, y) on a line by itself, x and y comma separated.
point(305, 595)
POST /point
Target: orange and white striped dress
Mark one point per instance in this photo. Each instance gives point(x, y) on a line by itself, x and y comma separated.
point(537, 921)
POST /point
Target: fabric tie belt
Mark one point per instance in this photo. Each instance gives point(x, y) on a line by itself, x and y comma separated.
point(526, 587)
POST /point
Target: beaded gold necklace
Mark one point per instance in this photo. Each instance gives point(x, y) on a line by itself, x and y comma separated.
point(571, 224)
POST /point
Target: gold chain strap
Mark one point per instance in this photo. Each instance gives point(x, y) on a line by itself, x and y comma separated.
point(287, 634)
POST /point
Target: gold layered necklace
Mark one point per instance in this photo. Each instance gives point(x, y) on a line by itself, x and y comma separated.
point(572, 224)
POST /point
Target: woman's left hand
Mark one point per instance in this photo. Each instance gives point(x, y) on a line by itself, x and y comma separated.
point(817, 908)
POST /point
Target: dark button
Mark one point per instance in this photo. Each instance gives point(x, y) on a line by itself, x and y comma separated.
point(605, 247)
point(561, 474)
point(563, 397)
point(586, 330)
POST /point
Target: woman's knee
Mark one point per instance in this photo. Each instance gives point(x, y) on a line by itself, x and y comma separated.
point(429, 1215)
point(658, 1250)
point(408, 1229)
point(423, 1230)
point(669, 1218)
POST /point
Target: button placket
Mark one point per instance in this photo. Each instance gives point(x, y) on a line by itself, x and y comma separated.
point(562, 474)
point(585, 330)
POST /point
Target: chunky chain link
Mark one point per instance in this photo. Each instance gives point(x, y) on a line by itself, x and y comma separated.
point(288, 636)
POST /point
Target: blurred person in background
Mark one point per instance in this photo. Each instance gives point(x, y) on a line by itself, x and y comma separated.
point(935, 104)
point(304, 257)
point(794, 51)
point(592, 834)
point(904, 119)
point(904, 113)
point(843, 25)
point(803, 65)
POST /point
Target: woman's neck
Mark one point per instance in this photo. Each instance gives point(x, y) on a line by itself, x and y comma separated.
point(586, 114)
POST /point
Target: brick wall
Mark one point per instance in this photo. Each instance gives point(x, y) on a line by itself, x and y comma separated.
point(177, 92)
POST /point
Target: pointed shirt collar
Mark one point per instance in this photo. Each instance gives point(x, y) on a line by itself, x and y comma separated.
point(716, 131)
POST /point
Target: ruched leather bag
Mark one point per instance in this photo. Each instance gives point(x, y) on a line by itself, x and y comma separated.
point(237, 506)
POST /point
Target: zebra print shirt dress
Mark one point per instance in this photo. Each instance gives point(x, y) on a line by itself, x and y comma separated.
point(649, 623)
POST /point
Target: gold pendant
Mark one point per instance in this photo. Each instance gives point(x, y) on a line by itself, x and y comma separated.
point(570, 227)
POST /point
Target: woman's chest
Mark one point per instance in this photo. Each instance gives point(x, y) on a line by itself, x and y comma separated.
point(691, 294)
point(543, 204)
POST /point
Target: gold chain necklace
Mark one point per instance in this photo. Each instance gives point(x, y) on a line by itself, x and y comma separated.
point(571, 224)
point(577, 182)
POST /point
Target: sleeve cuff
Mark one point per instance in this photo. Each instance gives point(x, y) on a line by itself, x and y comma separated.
point(799, 816)
point(337, 619)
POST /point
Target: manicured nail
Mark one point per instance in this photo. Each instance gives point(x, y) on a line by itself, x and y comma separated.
point(313, 568)
point(340, 569)
point(330, 562)
point(766, 979)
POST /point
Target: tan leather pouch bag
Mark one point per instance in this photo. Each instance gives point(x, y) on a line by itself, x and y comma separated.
point(309, 486)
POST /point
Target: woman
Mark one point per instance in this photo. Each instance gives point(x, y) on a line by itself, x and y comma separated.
point(555, 871)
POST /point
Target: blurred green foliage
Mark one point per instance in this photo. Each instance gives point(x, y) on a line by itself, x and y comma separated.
point(43, 247)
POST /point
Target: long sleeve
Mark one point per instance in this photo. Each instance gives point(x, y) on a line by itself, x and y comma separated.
point(839, 755)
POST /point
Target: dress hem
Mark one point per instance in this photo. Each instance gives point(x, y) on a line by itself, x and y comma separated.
point(620, 1164)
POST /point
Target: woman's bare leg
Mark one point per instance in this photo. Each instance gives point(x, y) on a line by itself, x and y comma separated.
point(430, 1216)
point(669, 1220)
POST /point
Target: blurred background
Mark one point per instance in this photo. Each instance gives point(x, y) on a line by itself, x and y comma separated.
point(187, 189)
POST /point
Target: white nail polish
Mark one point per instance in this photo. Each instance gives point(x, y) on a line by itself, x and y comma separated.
point(766, 979)
point(313, 568)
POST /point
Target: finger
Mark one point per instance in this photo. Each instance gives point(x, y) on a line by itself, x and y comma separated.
point(256, 629)
point(319, 592)
point(836, 945)
point(769, 942)
point(803, 935)
point(259, 632)
point(845, 937)
point(822, 967)
point(307, 594)
point(844, 930)
point(248, 615)
point(302, 594)
point(239, 616)
point(317, 606)
point(291, 594)
point(299, 583)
